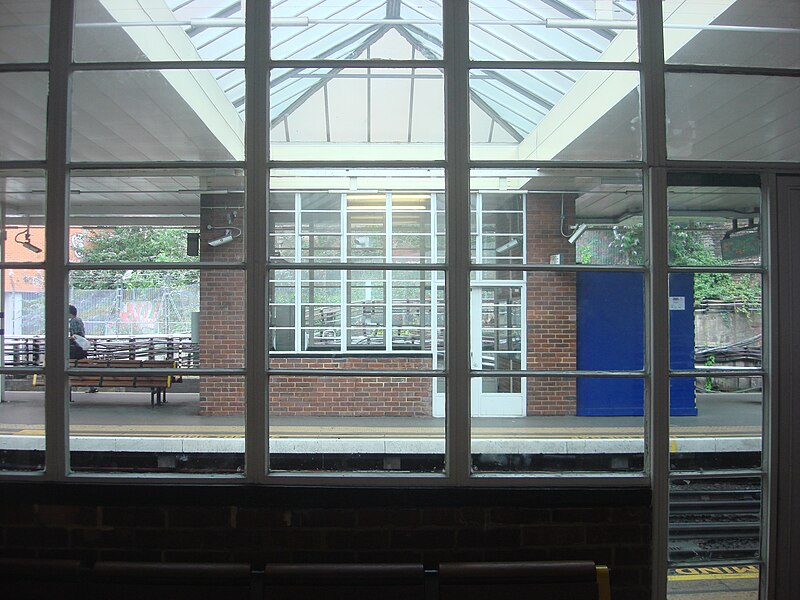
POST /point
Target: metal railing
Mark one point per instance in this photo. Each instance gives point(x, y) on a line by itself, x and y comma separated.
point(28, 351)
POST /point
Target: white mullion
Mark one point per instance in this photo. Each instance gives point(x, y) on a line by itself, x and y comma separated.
point(523, 334)
point(434, 282)
point(478, 230)
point(524, 203)
point(432, 236)
point(344, 291)
point(298, 275)
point(388, 295)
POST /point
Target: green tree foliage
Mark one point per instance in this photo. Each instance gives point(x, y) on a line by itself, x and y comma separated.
point(132, 244)
point(689, 247)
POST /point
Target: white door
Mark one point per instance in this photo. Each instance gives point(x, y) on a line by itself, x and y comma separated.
point(497, 344)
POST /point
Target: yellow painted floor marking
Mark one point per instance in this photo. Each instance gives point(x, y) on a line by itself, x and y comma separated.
point(709, 576)
point(717, 572)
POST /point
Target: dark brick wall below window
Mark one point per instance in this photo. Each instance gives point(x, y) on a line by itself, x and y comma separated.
point(261, 525)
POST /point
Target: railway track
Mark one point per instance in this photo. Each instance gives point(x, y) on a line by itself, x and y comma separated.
point(714, 520)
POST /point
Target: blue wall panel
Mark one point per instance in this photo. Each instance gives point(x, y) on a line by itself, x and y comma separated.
point(610, 336)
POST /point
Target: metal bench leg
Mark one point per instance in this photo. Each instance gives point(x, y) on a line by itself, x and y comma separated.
point(157, 396)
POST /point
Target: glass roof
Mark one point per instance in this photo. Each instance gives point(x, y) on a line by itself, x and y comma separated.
point(412, 29)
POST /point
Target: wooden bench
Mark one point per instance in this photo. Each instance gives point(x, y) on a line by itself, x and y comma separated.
point(165, 581)
point(550, 580)
point(344, 581)
point(546, 580)
point(158, 384)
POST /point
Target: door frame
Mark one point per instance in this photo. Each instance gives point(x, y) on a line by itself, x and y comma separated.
point(780, 513)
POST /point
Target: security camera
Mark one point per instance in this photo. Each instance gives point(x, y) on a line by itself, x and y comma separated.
point(31, 247)
point(26, 242)
point(577, 233)
point(222, 240)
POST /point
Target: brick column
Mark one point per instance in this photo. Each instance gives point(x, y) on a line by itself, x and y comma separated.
point(222, 305)
point(551, 309)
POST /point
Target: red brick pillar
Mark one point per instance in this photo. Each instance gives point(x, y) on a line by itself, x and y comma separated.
point(222, 304)
point(551, 310)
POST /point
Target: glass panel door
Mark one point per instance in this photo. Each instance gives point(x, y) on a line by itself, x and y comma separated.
point(496, 345)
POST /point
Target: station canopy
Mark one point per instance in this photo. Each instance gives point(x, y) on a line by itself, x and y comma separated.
point(389, 113)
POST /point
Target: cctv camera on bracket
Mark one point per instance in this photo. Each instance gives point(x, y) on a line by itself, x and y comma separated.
point(226, 237)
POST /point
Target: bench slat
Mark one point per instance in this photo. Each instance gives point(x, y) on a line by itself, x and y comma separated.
point(158, 383)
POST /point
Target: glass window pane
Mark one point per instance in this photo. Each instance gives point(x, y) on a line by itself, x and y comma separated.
point(714, 537)
point(340, 423)
point(715, 321)
point(749, 34)
point(591, 321)
point(22, 201)
point(22, 423)
point(194, 318)
point(581, 30)
point(331, 30)
point(715, 515)
point(725, 432)
point(732, 117)
point(118, 428)
point(714, 225)
point(395, 220)
point(156, 115)
point(354, 312)
point(159, 216)
point(23, 113)
point(157, 30)
point(528, 114)
point(547, 436)
point(359, 114)
point(557, 216)
point(26, 31)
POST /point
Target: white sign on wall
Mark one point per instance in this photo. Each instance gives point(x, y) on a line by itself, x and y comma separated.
point(677, 303)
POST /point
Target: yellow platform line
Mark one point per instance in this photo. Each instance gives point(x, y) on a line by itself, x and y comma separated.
point(301, 431)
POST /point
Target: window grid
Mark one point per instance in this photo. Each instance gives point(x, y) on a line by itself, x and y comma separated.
point(434, 236)
point(456, 269)
point(342, 328)
point(57, 161)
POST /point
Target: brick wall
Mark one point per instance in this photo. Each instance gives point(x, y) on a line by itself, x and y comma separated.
point(551, 298)
point(328, 525)
point(222, 307)
point(351, 396)
point(550, 321)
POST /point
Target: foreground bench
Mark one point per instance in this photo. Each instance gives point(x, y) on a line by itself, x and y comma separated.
point(121, 580)
point(344, 581)
point(157, 383)
point(548, 580)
